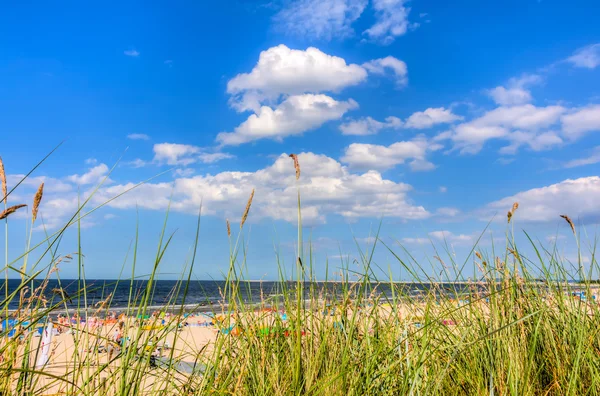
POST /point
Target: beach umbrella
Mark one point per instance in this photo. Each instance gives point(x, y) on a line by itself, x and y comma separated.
point(45, 346)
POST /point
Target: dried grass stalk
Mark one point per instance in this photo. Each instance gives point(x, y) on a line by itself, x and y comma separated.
point(3, 181)
point(228, 228)
point(247, 210)
point(4, 214)
point(296, 165)
point(515, 207)
point(37, 199)
point(512, 211)
point(478, 255)
point(568, 220)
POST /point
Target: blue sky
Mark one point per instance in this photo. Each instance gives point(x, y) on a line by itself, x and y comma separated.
point(429, 117)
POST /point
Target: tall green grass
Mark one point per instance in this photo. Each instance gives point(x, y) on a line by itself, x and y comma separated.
point(507, 332)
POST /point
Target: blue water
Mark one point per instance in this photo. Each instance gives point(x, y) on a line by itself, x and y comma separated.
point(202, 295)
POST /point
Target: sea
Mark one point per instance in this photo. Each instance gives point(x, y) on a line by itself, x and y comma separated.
point(197, 295)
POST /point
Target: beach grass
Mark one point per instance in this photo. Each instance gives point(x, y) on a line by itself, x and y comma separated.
point(514, 329)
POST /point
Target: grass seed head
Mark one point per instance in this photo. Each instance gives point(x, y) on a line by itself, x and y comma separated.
point(3, 181)
point(247, 210)
point(512, 211)
point(228, 228)
point(515, 207)
point(4, 214)
point(296, 165)
point(568, 220)
point(37, 199)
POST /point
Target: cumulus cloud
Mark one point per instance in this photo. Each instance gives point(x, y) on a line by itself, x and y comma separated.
point(431, 117)
point(182, 154)
point(294, 116)
point(368, 126)
point(175, 154)
point(519, 125)
point(92, 176)
point(320, 19)
point(210, 158)
point(586, 57)
point(451, 238)
point(138, 136)
point(516, 92)
point(328, 189)
point(374, 156)
point(61, 195)
point(577, 198)
point(537, 142)
point(285, 91)
point(581, 121)
point(510, 96)
point(51, 184)
point(389, 65)
point(284, 71)
point(391, 21)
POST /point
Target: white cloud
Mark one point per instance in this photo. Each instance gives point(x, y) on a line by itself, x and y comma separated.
point(138, 136)
point(109, 216)
point(182, 154)
point(327, 187)
point(373, 156)
point(449, 212)
point(421, 165)
point(503, 123)
point(183, 172)
point(516, 93)
point(296, 115)
point(537, 142)
point(510, 96)
point(576, 198)
point(368, 126)
point(431, 117)
point(137, 163)
point(91, 161)
point(92, 176)
point(396, 67)
point(594, 158)
point(133, 53)
point(175, 154)
point(320, 19)
point(51, 184)
point(450, 238)
point(416, 241)
point(581, 121)
point(391, 21)
point(443, 189)
point(587, 57)
point(441, 237)
point(210, 158)
point(284, 71)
